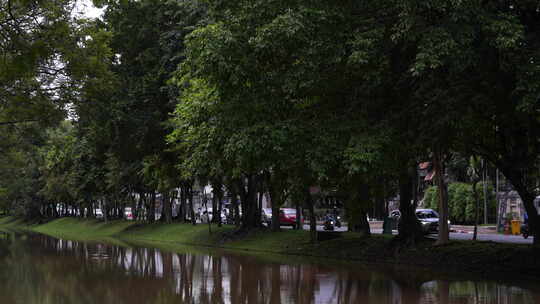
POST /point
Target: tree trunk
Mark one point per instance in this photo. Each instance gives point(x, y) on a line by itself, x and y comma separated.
point(134, 210)
point(248, 201)
point(218, 193)
point(167, 208)
point(409, 228)
point(140, 206)
point(310, 203)
point(363, 224)
point(236, 206)
point(152, 208)
point(276, 183)
point(190, 204)
point(356, 205)
point(183, 203)
point(379, 208)
point(438, 165)
point(215, 216)
point(105, 209)
point(476, 209)
point(276, 203)
point(299, 225)
point(484, 186)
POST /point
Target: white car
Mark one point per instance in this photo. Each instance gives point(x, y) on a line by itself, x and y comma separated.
point(266, 215)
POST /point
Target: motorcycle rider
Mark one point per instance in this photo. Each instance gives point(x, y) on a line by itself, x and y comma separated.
point(328, 221)
point(328, 216)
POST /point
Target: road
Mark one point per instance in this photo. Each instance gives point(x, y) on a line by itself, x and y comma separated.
point(494, 237)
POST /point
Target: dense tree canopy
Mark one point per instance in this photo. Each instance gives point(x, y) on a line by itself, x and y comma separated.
point(262, 97)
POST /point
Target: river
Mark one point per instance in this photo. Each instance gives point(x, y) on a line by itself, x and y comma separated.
point(41, 269)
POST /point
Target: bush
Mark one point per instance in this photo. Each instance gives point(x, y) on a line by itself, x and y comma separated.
point(461, 202)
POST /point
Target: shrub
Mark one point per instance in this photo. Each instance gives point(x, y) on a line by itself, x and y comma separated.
point(461, 202)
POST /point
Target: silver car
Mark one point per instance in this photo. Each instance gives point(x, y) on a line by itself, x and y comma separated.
point(429, 219)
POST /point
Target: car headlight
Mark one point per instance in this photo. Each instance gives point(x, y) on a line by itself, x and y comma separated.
point(332, 223)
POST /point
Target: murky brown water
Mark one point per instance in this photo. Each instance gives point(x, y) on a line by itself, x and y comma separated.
point(40, 269)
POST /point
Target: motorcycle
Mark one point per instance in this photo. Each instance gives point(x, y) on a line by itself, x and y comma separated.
point(329, 224)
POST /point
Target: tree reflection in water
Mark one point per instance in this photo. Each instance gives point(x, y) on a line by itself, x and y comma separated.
point(38, 269)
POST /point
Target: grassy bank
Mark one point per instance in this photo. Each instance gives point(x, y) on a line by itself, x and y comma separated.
point(458, 256)
point(9, 221)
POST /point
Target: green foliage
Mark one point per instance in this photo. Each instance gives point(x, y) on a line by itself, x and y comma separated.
point(46, 53)
point(247, 88)
point(59, 165)
point(300, 92)
point(461, 202)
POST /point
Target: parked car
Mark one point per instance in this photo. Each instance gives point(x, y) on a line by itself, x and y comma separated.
point(98, 213)
point(287, 217)
point(266, 216)
point(429, 219)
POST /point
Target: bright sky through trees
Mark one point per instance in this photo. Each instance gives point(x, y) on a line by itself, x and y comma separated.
point(86, 8)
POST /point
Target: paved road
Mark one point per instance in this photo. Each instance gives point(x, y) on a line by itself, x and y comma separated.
point(499, 238)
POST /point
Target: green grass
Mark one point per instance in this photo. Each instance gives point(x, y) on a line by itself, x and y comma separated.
point(178, 233)
point(82, 229)
point(10, 221)
point(170, 235)
point(279, 242)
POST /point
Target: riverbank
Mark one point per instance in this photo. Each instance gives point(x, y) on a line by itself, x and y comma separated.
point(458, 256)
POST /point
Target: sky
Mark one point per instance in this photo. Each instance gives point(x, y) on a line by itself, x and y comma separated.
point(86, 8)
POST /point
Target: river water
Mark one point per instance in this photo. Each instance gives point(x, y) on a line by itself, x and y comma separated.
point(40, 269)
